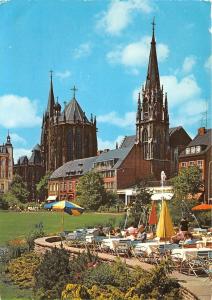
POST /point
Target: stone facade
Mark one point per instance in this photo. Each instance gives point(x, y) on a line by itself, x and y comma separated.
point(66, 135)
point(6, 165)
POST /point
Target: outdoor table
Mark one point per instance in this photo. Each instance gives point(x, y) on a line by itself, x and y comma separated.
point(184, 253)
point(149, 247)
point(111, 242)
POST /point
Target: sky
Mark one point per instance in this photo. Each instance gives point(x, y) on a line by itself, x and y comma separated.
point(102, 47)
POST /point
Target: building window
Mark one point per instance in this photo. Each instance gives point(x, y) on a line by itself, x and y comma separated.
point(2, 187)
point(184, 164)
point(191, 163)
point(145, 143)
point(61, 186)
point(192, 150)
point(70, 187)
point(198, 149)
point(187, 150)
point(200, 164)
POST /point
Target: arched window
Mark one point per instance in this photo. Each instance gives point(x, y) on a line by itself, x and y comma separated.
point(78, 143)
point(145, 143)
point(70, 144)
point(158, 145)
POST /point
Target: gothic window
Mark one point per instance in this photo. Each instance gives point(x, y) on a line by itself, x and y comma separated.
point(70, 144)
point(145, 109)
point(158, 145)
point(145, 143)
point(78, 143)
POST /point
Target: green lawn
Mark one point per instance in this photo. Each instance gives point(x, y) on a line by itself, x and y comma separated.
point(19, 224)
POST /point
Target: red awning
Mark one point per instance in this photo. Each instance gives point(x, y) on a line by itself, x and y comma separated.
point(202, 206)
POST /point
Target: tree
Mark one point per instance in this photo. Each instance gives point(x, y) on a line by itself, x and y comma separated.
point(91, 193)
point(187, 182)
point(141, 205)
point(17, 193)
point(42, 187)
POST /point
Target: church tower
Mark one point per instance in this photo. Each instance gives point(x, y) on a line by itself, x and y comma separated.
point(66, 135)
point(152, 119)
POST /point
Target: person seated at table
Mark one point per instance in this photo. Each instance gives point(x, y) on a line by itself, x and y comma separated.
point(141, 234)
point(184, 225)
point(189, 239)
point(118, 232)
point(178, 237)
point(131, 230)
point(100, 231)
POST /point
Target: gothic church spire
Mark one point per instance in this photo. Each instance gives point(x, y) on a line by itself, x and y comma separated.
point(51, 102)
point(153, 79)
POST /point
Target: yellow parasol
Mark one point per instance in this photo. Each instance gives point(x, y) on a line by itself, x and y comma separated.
point(165, 227)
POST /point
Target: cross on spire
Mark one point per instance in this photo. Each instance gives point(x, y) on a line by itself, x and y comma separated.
point(51, 72)
point(153, 26)
point(74, 89)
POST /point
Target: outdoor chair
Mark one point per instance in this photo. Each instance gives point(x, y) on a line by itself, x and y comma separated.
point(195, 265)
point(139, 253)
point(155, 256)
point(122, 248)
point(177, 262)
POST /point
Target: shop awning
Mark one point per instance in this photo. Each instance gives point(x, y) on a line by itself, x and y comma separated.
point(161, 196)
point(52, 198)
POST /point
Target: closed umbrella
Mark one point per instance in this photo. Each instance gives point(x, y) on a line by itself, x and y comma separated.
point(153, 215)
point(165, 227)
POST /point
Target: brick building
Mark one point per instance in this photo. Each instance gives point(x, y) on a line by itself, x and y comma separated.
point(6, 165)
point(31, 170)
point(199, 152)
point(119, 168)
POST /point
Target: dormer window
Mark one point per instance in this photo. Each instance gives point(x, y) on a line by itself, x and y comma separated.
point(192, 150)
point(198, 149)
point(187, 150)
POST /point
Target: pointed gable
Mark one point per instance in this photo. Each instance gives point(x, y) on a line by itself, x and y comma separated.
point(74, 113)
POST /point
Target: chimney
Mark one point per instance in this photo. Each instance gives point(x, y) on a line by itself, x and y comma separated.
point(201, 131)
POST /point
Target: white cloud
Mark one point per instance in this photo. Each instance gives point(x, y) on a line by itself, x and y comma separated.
point(63, 75)
point(180, 91)
point(120, 14)
point(17, 111)
point(107, 144)
point(17, 139)
point(188, 64)
point(83, 50)
point(208, 63)
point(136, 54)
point(128, 120)
point(18, 152)
point(186, 104)
point(4, 1)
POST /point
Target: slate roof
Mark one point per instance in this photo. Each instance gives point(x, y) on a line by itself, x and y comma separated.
point(74, 167)
point(200, 140)
point(74, 113)
point(128, 141)
point(35, 158)
point(117, 154)
point(174, 129)
point(22, 160)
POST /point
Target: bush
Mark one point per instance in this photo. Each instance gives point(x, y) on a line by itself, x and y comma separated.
point(34, 234)
point(16, 248)
point(52, 274)
point(21, 270)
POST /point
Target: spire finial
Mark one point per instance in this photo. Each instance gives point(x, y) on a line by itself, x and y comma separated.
point(153, 26)
point(51, 72)
point(74, 89)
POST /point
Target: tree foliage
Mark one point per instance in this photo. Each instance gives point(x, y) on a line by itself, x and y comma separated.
point(91, 193)
point(17, 193)
point(187, 182)
point(42, 187)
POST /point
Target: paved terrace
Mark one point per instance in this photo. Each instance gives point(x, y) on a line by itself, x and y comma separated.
point(198, 288)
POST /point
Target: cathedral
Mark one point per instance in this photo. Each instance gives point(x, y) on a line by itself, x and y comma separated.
point(66, 135)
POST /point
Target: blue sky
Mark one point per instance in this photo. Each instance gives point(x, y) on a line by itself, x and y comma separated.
point(102, 47)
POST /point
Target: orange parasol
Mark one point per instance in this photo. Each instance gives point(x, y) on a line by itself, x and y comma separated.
point(202, 206)
point(153, 215)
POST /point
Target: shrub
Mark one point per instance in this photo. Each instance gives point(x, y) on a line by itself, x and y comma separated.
point(16, 248)
point(52, 274)
point(75, 291)
point(21, 270)
point(34, 234)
